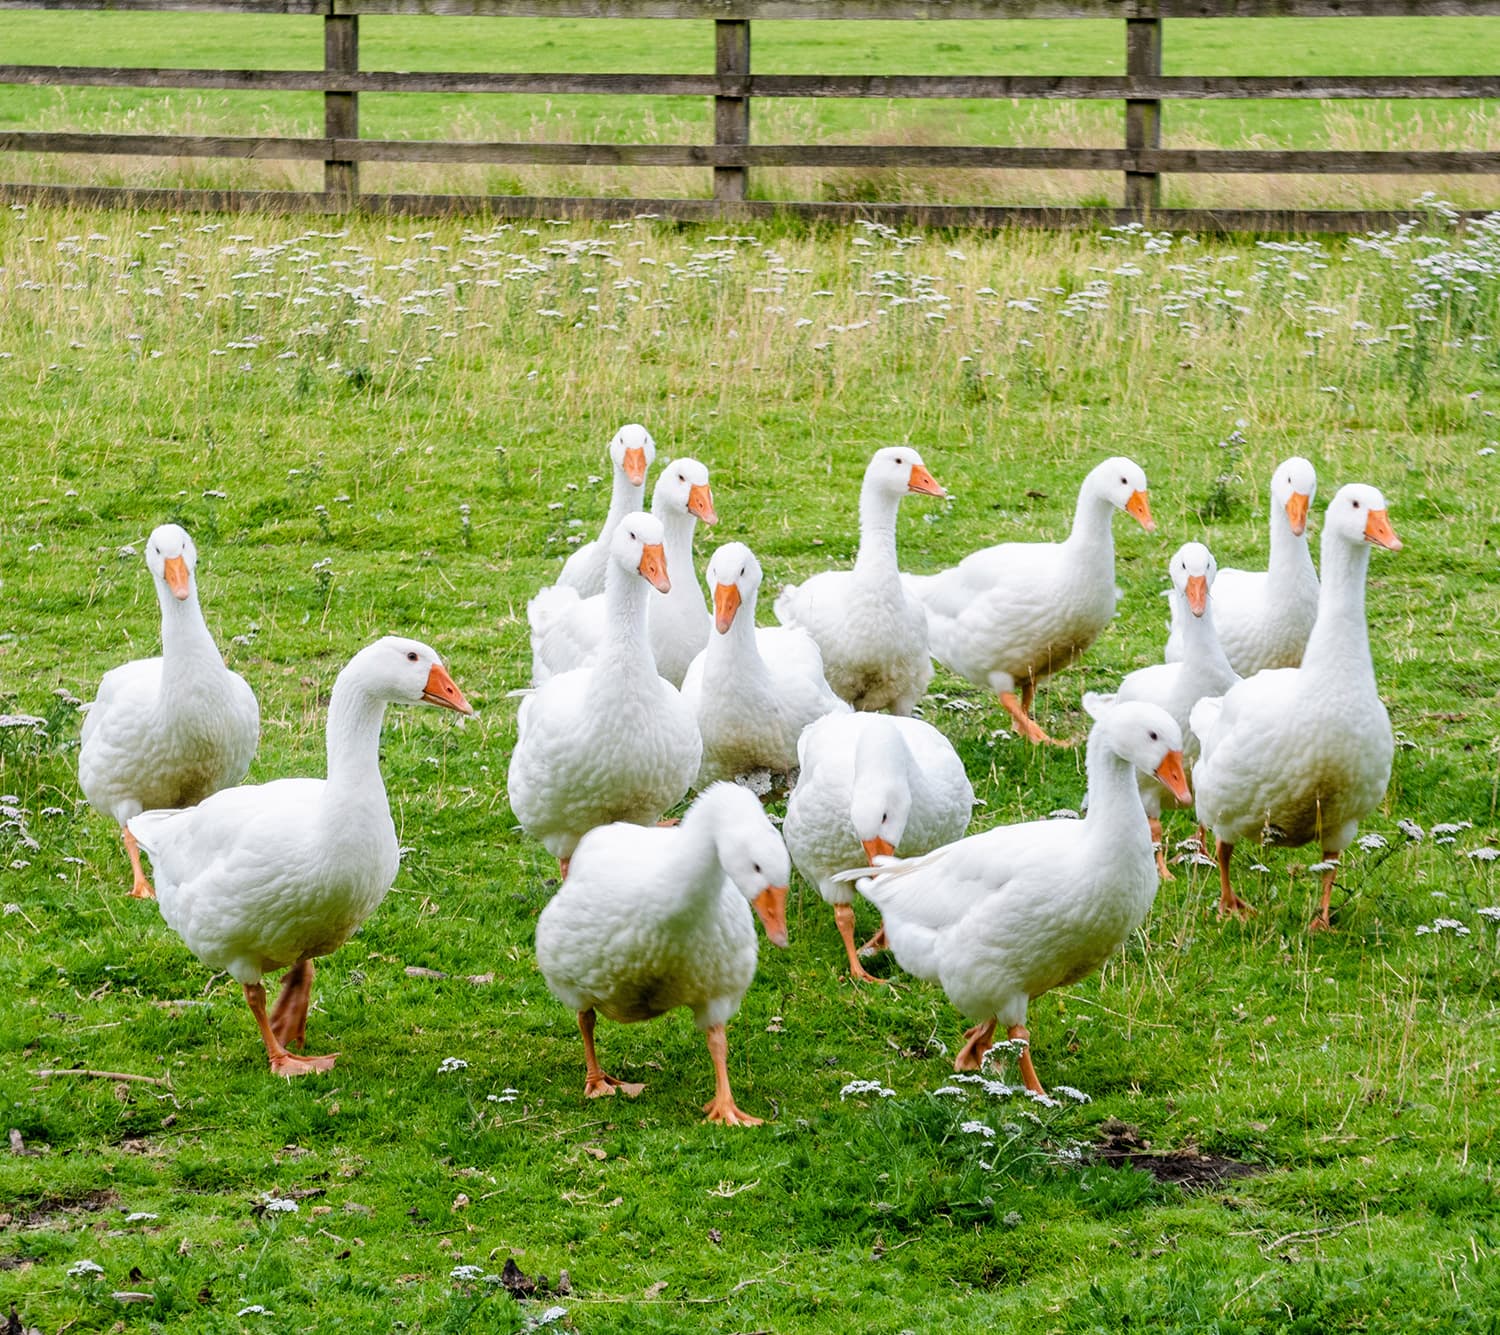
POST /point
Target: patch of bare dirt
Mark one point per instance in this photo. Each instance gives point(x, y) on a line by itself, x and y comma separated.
point(53, 1208)
point(1188, 1166)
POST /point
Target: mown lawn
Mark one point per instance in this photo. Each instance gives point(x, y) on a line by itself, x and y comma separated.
point(373, 428)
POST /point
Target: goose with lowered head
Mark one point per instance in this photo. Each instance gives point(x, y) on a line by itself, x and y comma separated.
point(1001, 917)
point(1296, 755)
point(652, 919)
point(1009, 616)
point(168, 731)
point(754, 689)
point(631, 453)
point(873, 638)
point(1264, 617)
point(275, 875)
point(612, 741)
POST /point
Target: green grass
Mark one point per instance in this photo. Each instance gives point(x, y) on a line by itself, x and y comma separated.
point(290, 392)
point(1288, 46)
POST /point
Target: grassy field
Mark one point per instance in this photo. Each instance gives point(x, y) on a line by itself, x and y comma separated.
point(1289, 46)
point(372, 430)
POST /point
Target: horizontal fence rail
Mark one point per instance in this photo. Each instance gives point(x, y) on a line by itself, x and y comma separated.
point(732, 86)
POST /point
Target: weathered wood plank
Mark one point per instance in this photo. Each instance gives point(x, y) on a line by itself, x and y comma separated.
point(170, 145)
point(1142, 114)
point(805, 9)
point(987, 217)
point(341, 110)
point(1111, 87)
point(731, 113)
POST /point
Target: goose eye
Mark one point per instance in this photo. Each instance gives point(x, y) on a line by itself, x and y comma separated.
point(1356, 505)
point(1153, 737)
point(884, 816)
point(411, 655)
point(756, 866)
point(742, 572)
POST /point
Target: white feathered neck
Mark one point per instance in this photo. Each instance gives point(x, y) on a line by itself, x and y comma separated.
point(1340, 639)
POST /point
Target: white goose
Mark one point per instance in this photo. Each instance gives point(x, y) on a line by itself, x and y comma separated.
point(871, 786)
point(649, 920)
point(1001, 917)
point(611, 741)
point(873, 638)
point(1265, 616)
point(168, 731)
point(267, 876)
point(566, 630)
point(631, 453)
point(753, 690)
point(1009, 616)
point(1177, 687)
point(1293, 755)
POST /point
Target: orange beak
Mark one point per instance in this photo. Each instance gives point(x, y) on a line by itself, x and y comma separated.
point(1170, 773)
point(1296, 511)
point(878, 848)
point(634, 465)
point(1197, 594)
point(654, 566)
point(701, 503)
point(440, 690)
point(922, 481)
point(1140, 508)
point(770, 906)
point(1377, 530)
point(726, 604)
point(175, 572)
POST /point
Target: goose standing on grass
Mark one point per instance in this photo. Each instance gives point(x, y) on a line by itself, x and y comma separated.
point(168, 731)
point(650, 920)
point(1177, 687)
point(1293, 755)
point(612, 741)
point(566, 631)
point(272, 876)
point(873, 638)
point(1001, 917)
point(753, 690)
point(631, 453)
point(869, 787)
point(1009, 616)
point(1265, 616)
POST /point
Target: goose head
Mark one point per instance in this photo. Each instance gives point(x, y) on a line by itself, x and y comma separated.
point(734, 580)
point(1293, 486)
point(171, 558)
point(633, 452)
point(880, 802)
point(898, 470)
point(1145, 735)
point(1122, 482)
point(1357, 514)
point(402, 671)
point(752, 854)
point(637, 547)
point(683, 487)
point(1193, 569)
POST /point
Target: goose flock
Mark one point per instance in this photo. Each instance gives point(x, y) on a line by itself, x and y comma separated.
point(1265, 716)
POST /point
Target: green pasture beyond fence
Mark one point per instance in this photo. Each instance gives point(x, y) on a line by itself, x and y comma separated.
point(732, 86)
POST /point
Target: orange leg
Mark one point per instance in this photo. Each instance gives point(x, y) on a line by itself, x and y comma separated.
point(1022, 722)
point(877, 942)
point(1230, 904)
point(596, 1084)
point(980, 1038)
point(844, 915)
point(289, 1015)
point(721, 1108)
point(1162, 869)
point(282, 1061)
point(562, 868)
point(141, 888)
point(1028, 1071)
point(1321, 921)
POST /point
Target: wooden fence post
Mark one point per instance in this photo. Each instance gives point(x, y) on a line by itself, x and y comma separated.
point(731, 114)
point(1142, 114)
point(341, 110)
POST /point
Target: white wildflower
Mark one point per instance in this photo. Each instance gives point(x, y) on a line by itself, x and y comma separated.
point(450, 1064)
point(977, 1129)
point(1440, 925)
point(866, 1087)
point(1370, 842)
point(280, 1205)
point(1410, 828)
point(79, 1269)
point(1067, 1091)
point(954, 1089)
point(1483, 854)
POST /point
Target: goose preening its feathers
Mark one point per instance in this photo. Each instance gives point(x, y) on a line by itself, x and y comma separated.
point(652, 919)
point(273, 875)
point(168, 731)
point(1009, 616)
point(1001, 917)
point(631, 453)
point(1296, 755)
point(873, 638)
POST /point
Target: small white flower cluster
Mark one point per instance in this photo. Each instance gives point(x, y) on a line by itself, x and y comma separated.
point(977, 1129)
point(1370, 842)
point(1440, 925)
point(1483, 854)
point(1492, 913)
point(85, 1269)
point(866, 1087)
point(451, 1064)
point(280, 1205)
point(504, 1096)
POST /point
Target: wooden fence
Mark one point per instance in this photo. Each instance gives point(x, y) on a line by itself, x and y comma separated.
point(732, 156)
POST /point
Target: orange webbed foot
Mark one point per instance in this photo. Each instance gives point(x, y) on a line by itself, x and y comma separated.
point(726, 1113)
point(980, 1039)
point(600, 1086)
point(1232, 906)
point(288, 1065)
